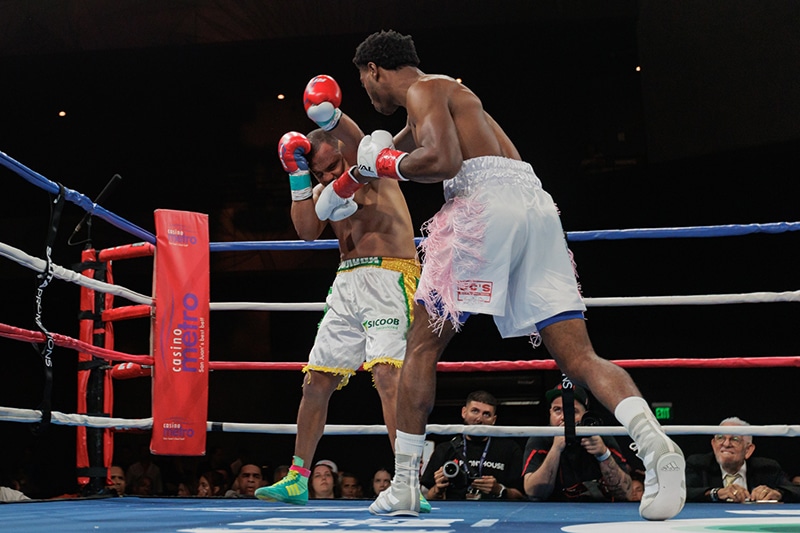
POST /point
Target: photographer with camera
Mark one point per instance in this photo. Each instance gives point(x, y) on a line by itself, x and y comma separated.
point(590, 469)
point(475, 468)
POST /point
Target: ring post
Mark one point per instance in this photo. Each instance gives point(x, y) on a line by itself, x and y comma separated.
point(180, 333)
point(95, 446)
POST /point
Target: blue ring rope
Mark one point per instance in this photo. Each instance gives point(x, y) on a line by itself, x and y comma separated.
point(76, 198)
point(728, 230)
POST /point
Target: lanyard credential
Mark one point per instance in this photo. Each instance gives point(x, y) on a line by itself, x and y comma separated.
point(483, 455)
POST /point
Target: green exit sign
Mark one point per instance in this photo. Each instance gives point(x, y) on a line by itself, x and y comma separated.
point(663, 410)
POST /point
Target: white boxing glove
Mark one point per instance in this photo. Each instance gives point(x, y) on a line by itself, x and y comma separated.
point(331, 206)
point(377, 157)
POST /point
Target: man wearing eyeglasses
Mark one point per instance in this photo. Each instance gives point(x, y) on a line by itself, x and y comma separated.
point(730, 473)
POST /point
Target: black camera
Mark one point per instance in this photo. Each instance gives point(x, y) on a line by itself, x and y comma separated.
point(451, 469)
point(591, 419)
point(455, 468)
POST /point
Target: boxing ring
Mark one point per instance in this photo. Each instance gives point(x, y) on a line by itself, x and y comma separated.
point(100, 364)
point(184, 515)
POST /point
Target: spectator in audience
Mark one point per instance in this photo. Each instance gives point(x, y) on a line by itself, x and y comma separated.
point(482, 467)
point(324, 481)
point(250, 478)
point(7, 494)
point(117, 475)
point(351, 487)
point(177, 470)
point(142, 486)
point(591, 469)
point(185, 488)
point(9, 489)
point(333, 466)
point(211, 483)
point(217, 459)
point(145, 467)
point(243, 454)
point(637, 486)
point(730, 473)
point(228, 481)
point(30, 474)
point(280, 473)
point(381, 480)
point(796, 480)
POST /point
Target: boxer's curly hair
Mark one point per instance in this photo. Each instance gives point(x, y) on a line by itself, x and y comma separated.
point(387, 49)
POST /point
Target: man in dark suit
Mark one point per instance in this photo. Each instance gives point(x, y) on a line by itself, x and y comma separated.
point(730, 474)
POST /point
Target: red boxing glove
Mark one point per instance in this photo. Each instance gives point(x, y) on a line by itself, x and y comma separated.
point(346, 185)
point(292, 149)
point(321, 100)
point(387, 164)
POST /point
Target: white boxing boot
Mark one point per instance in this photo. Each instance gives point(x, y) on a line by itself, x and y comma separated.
point(402, 498)
point(665, 478)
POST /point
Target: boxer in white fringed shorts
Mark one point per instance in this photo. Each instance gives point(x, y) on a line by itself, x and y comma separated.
point(495, 247)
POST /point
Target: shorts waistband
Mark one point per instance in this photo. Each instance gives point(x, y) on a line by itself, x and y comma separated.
point(488, 171)
point(409, 267)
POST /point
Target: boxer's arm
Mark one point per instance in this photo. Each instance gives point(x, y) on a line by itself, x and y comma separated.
point(304, 217)
point(350, 134)
point(292, 150)
point(321, 99)
point(404, 140)
point(437, 156)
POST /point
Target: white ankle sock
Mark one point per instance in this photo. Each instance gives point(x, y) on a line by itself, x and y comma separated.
point(409, 444)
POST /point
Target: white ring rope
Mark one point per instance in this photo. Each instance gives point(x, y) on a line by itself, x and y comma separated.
point(250, 306)
point(38, 265)
point(13, 414)
point(706, 299)
point(625, 301)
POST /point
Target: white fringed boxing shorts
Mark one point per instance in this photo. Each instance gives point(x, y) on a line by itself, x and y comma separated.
point(497, 247)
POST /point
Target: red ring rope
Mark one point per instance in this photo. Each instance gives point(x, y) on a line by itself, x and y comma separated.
point(466, 366)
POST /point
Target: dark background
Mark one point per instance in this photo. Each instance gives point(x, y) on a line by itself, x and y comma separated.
point(181, 100)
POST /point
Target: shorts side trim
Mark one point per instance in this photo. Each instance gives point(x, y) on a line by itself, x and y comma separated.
point(560, 317)
point(344, 372)
point(409, 267)
point(383, 360)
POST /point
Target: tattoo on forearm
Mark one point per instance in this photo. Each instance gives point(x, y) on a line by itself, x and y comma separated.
point(615, 479)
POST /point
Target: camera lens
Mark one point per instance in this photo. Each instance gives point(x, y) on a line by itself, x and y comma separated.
point(591, 419)
point(450, 469)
